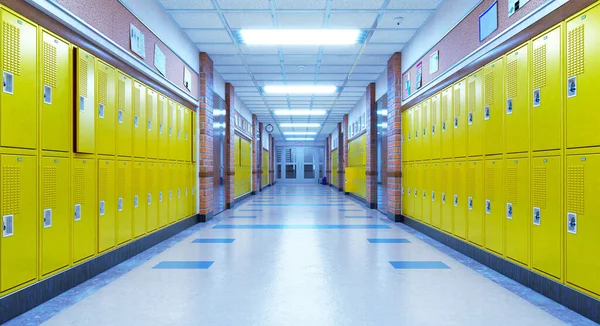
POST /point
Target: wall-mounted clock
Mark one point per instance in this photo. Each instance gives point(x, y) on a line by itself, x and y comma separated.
point(269, 128)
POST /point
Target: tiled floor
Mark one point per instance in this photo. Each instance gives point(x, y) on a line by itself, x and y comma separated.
point(298, 258)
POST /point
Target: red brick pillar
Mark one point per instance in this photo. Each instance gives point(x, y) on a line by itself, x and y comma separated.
point(328, 159)
point(371, 146)
point(205, 138)
point(255, 156)
point(229, 145)
point(394, 174)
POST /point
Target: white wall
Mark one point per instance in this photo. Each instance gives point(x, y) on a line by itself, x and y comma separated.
point(218, 84)
point(381, 86)
point(241, 108)
point(334, 139)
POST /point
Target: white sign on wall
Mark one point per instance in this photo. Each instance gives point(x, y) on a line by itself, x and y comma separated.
point(514, 5)
point(434, 62)
point(138, 42)
point(160, 61)
point(187, 78)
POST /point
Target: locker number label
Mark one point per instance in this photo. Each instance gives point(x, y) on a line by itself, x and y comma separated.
point(537, 216)
point(47, 218)
point(77, 212)
point(102, 207)
point(509, 106)
point(47, 94)
point(537, 98)
point(455, 200)
point(120, 116)
point(135, 201)
point(572, 87)
point(7, 225)
point(486, 113)
point(488, 207)
point(470, 203)
point(572, 223)
point(509, 211)
point(8, 83)
point(120, 204)
point(470, 118)
point(101, 111)
point(443, 197)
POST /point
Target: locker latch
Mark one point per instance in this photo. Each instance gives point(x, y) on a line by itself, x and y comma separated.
point(7, 225)
point(120, 204)
point(82, 104)
point(101, 208)
point(470, 118)
point(8, 80)
point(572, 87)
point(77, 212)
point(135, 201)
point(433, 130)
point(47, 218)
point(47, 94)
point(572, 223)
point(160, 197)
point(443, 197)
point(455, 200)
point(136, 121)
point(488, 207)
point(433, 196)
point(170, 131)
point(536, 216)
point(170, 194)
point(509, 211)
point(179, 193)
point(486, 113)
point(443, 126)
point(186, 192)
point(470, 203)
point(455, 122)
point(402, 191)
point(415, 192)
point(149, 125)
point(509, 106)
point(149, 199)
point(120, 116)
point(537, 99)
point(160, 128)
point(424, 194)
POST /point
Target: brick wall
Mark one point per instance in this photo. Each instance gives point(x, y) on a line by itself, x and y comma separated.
point(394, 137)
point(205, 137)
point(229, 146)
point(255, 156)
point(371, 135)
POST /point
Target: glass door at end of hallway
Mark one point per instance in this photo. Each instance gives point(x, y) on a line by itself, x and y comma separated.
point(298, 164)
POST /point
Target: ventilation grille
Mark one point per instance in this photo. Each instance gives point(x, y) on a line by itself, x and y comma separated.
point(444, 179)
point(79, 186)
point(575, 51)
point(489, 184)
point(83, 77)
point(103, 183)
point(445, 107)
point(511, 78)
point(121, 179)
point(102, 87)
point(50, 182)
point(539, 67)
point(471, 182)
point(121, 94)
point(12, 48)
point(137, 174)
point(434, 109)
point(137, 98)
point(150, 179)
point(457, 185)
point(472, 96)
point(457, 102)
point(511, 185)
point(575, 189)
point(539, 186)
point(489, 88)
point(11, 189)
point(50, 64)
point(150, 107)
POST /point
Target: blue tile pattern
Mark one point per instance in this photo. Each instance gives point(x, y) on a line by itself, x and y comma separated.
point(419, 265)
point(183, 265)
point(358, 216)
point(301, 227)
point(242, 216)
point(215, 240)
point(381, 240)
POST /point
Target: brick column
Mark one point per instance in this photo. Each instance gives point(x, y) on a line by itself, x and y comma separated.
point(328, 159)
point(205, 138)
point(229, 146)
point(255, 156)
point(394, 174)
point(371, 146)
point(260, 156)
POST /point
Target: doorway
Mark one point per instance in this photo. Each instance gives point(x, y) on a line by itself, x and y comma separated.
point(299, 164)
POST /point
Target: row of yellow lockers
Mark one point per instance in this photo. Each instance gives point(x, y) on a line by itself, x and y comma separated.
point(242, 166)
point(516, 207)
point(533, 98)
point(265, 167)
point(334, 167)
point(356, 172)
point(357, 151)
point(83, 207)
point(114, 113)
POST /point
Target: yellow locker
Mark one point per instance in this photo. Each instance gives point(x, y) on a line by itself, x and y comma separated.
point(139, 199)
point(447, 131)
point(516, 124)
point(180, 132)
point(18, 117)
point(417, 191)
point(56, 85)
point(185, 190)
point(426, 189)
point(106, 204)
point(237, 143)
point(475, 115)
point(436, 127)
point(583, 224)
point(139, 120)
point(517, 194)
point(408, 153)
point(446, 193)
point(435, 182)
point(152, 180)
point(18, 244)
point(124, 115)
point(493, 110)
point(152, 123)
point(494, 209)
point(163, 127)
point(475, 202)
point(417, 118)
point(172, 195)
point(583, 64)
point(265, 167)
point(187, 138)
point(547, 96)
point(459, 201)
point(163, 194)
point(194, 136)
point(84, 208)
point(426, 129)
point(460, 119)
point(404, 139)
point(105, 104)
point(85, 133)
point(404, 188)
point(408, 175)
point(334, 167)
point(172, 120)
point(191, 189)
point(181, 199)
point(124, 202)
point(55, 214)
point(547, 215)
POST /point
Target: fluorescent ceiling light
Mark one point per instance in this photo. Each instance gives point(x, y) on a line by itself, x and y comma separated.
point(300, 112)
point(295, 139)
point(300, 133)
point(300, 125)
point(300, 89)
point(301, 36)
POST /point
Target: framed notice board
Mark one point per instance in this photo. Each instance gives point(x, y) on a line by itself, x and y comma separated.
point(488, 21)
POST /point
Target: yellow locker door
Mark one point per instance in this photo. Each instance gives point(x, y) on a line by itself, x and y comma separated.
point(139, 199)
point(180, 132)
point(124, 115)
point(192, 189)
point(84, 208)
point(172, 121)
point(56, 85)
point(404, 189)
point(105, 104)
point(18, 244)
point(516, 124)
point(18, 117)
point(124, 201)
point(181, 184)
point(172, 195)
point(163, 194)
point(426, 129)
point(446, 124)
point(493, 110)
point(106, 204)
point(583, 224)
point(547, 215)
point(426, 189)
point(460, 119)
point(583, 64)
point(152, 123)
point(194, 136)
point(55, 214)
point(417, 118)
point(495, 211)
point(408, 153)
point(460, 199)
point(236, 150)
point(163, 127)
point(435, 182)
point(517, 209)
point(417, 191)
point(475, 202)
point(409, 199)
point(475, 114)
point(139, 120)
point(85, 132)
point(187, 137)
point(404, 139)
point(152, 203)
point(436, 127)
point(547, 96)
point(446, 195)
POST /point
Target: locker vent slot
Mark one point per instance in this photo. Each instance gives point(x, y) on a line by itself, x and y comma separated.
point(444, 107)
point(457, 102)
point(12, 48)
point(50, 64)
point(444, 180)
point(83, 77)
point(511, 79)
point(79, 185)
point(50, 184)
point(121, 181)
point(137, 104)
point(137, 178)
point(471, 182)
point(472, 96)
point(150, 180)
point(539, 186)
point(434, 108)
point(103, 186)
point(457, 185)
point(150, 110)
point(489, 183)
point(489, 88)
point(511, 185)
point(575, 51)
point(11, 189)
point(575, 189)
point(539, 67)
point(121, 94)
point(102, 86)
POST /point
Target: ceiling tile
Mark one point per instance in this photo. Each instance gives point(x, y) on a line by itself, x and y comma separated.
point(246, 89)
point(414, 4)
point(300, 20)
point(362, 83)
point(367, 69)
point(303, 4)
point(259, 49)
point(237, 69)
point(391, 36)
point(338, 83)
point(342, 49)
point(305, 77)
point(332, 76)
point(335, 69)
point(303, 49)
point(338, 59)
point(197, 20)
point(265, 69)
point(388, 49)
point(244, 4)
point(229, 77)
point(352, 20)
point(371, 77)
point(212, 49)
point(412, 20)
point(209, 35)
point(243, 83)
point(268, 77)
point(373, 60)
point(294, 69)
point(262, 59)
point(226, 59)
point(357, 4)
point(187, 4)
point(240, 20)
point(300, 60)
point(354, 89)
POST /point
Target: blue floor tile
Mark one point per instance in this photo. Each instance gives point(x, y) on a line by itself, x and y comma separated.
point(397, 240)
point(249, 210)
point(292, 226)
point(359, 216)
point(419, 265)
point(242, 216)
point(298, 205)
point(209, 240)
point(184, 265)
